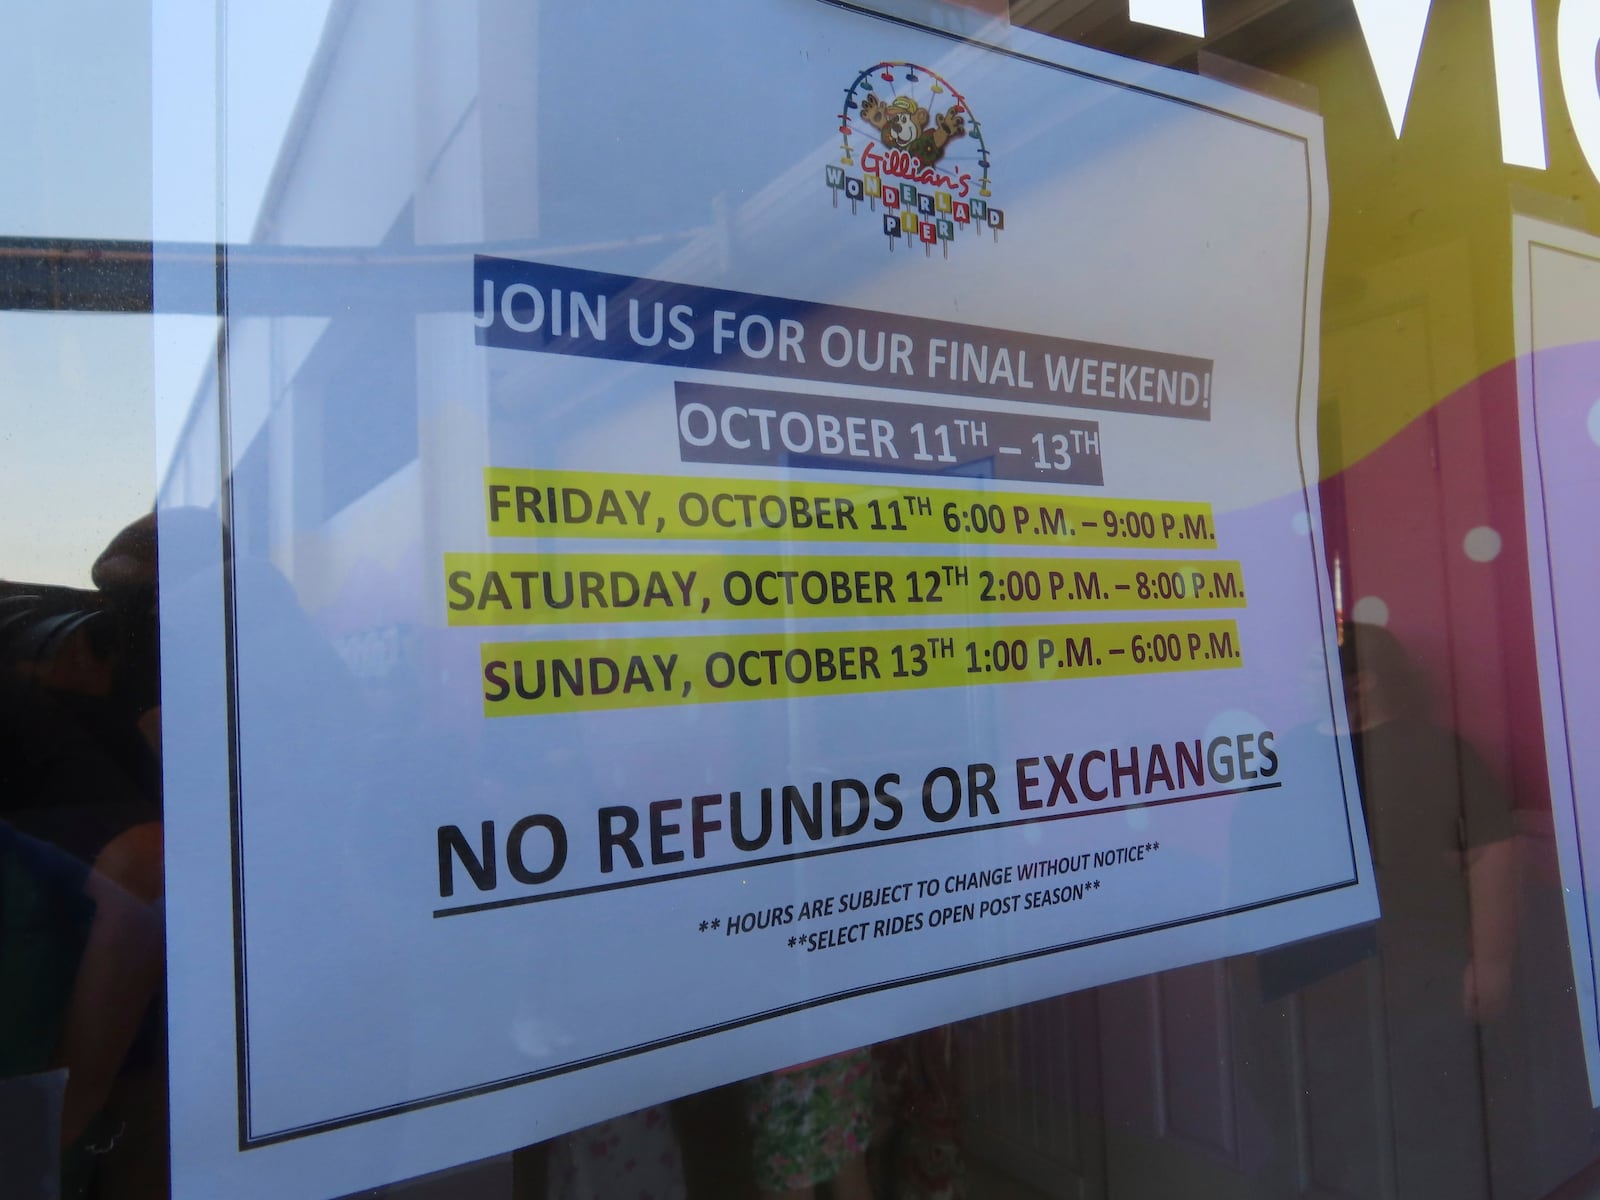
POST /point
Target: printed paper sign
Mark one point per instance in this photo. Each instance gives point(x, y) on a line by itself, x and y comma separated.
point(768, 547)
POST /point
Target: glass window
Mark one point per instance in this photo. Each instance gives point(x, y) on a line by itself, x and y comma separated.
point(789, 597)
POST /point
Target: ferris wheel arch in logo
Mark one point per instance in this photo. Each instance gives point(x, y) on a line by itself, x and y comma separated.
point(920, 152)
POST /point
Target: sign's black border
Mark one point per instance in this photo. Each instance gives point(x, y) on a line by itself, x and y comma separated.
point(249, 1140)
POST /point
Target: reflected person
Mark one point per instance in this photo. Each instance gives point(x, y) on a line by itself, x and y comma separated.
point(1434, 815)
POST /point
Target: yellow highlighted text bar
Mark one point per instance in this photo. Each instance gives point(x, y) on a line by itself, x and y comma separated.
point(531, 678)
point(548, 589)
point(537, 503)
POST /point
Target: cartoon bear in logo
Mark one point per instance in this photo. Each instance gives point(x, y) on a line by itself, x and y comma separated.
point(903, 125)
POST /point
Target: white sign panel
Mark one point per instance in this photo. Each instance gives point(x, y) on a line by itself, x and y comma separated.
point(788, 527)
point(1557, 285)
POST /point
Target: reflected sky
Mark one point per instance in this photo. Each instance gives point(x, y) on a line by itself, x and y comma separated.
point(76, 409)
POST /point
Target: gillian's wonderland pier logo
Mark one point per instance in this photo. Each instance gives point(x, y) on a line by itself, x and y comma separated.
point(912, 145)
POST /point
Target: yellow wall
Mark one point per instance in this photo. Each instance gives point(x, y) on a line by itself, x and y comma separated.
point(1417, 299)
